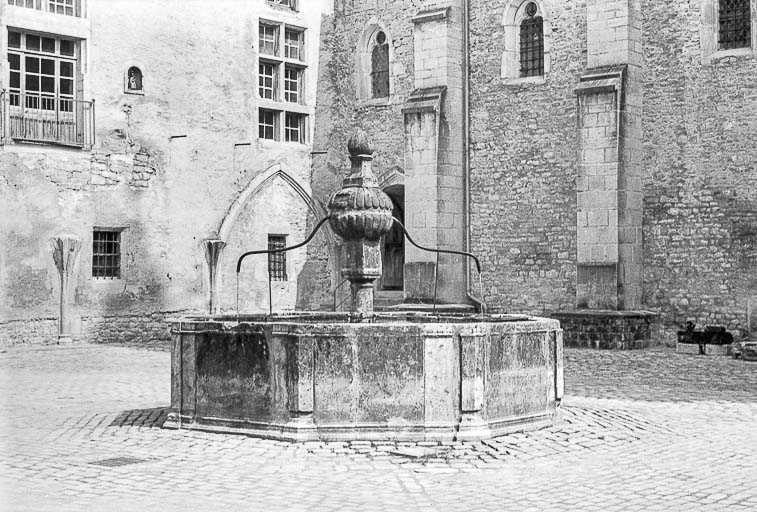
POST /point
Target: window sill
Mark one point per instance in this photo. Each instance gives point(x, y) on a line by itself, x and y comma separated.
point(375, 102)
point(529, 80)
point(137, 92)
point(727, 54)
point(108, 284)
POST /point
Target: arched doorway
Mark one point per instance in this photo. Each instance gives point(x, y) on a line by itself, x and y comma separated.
point(393, 244)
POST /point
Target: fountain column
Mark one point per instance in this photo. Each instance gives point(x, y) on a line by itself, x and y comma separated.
point(361, 213)
point(65, 250)
point(212, 249)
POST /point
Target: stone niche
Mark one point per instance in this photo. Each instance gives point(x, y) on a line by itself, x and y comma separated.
point(398, 376)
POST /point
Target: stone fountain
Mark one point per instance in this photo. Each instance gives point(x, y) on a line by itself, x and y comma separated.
point(365, 375)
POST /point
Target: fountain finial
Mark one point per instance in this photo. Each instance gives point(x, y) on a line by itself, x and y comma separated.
point(361, 213)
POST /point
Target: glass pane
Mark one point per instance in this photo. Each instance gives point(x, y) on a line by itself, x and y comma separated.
point(66, 68)
point(48, 84)
point(66, 47)
point(48, 67)
point(15, 81)
point(32, 42)
point(32, 65)
point(32, 83)
point(15, 61)
point(66, 87)
point(48, 44)
point(14, 40)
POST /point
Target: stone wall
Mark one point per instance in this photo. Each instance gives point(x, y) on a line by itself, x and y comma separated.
point(700, 172)
point(523, 163)
point(622, 330)
point(166, 167)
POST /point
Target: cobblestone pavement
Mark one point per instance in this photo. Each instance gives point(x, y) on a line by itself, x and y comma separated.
point(645, 430)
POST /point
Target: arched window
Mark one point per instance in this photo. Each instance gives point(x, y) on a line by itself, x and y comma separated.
point(374, 63)
point(527, 31)
point(531, 42)
point(380, 66)
point(134, 80)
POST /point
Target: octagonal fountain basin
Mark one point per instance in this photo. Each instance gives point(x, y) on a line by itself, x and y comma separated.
point(390, 376)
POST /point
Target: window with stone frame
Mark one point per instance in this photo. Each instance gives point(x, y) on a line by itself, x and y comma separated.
point(268, 39)
point(292, 84)
point(294, 127)
point(65, 7)
point(106, 253)
point(294, 44)
point(380, 66)
point(277, 261)
point(268, 80)
point(734, 24)
point(268, 124)
point(531, 42)
point(291, 4)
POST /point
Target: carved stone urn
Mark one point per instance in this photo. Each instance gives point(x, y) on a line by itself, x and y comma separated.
point(361, 213)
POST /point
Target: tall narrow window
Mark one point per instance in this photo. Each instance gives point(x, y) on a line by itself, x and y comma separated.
point(277, 261)
point(292, 84)
point(532, 43)
point(734, 24)
point(294, 127)
point(268, 124)
point(380, 66)
point(106, 254)
point(294, 44)
point(267, 80)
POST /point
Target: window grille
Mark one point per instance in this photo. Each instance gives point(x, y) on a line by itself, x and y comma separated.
point(532, 44)
point(293, 44)
point(106, 254)
point(734, 24)
point(267, 80)
point(294, 127)
point(380, 67)
point(277, 261)
point(292, 77)
point(267, 124)
point(269, 39)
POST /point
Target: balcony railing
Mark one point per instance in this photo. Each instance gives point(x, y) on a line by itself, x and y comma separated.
point(66, 7)
point(46, 119)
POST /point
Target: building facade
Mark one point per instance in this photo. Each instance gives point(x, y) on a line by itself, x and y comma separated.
point(598, 156)
point(168, 138)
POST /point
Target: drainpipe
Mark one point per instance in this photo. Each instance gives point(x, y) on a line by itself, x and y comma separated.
point(466, 156)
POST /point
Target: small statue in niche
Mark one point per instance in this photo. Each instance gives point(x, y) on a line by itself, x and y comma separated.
point(134, 79)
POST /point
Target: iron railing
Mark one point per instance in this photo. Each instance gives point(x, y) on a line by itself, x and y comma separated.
point(47, 119)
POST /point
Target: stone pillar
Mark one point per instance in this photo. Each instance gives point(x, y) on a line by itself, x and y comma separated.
point(433, 117)
point(65, 250)
point(609, 188)
point(212, 249)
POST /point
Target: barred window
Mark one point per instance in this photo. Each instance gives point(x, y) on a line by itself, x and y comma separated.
point(734, 24)
point(532, 43)
point(106, 254)
point(277, 261)
point(380, 66)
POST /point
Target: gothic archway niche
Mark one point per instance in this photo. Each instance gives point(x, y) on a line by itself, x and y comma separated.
point(375, 55)
point(518, 16)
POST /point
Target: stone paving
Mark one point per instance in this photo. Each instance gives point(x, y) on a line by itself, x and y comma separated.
point(644, 430)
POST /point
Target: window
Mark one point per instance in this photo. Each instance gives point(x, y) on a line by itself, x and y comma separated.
point(66, 7)
point(134, 80)
point(277, 261)
point(294, 44)
point(734, 24)
point(269, 39)
point(294, 127)
point(291, 4)
point(267, 75)
point(380, 66)
point(42, 90)
point(531, 43)
point(106, 254)
point(281, 83)
point(292, 84)
point(268, 124)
